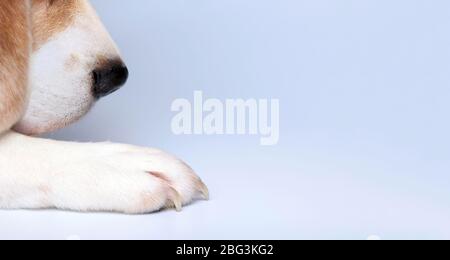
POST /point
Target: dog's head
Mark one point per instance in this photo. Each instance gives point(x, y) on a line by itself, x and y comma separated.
point(74, 62)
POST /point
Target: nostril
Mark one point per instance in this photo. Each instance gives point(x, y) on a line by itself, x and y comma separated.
point(109, 78)
point(96, 77)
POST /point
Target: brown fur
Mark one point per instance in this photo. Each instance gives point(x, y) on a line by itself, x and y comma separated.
point(15, 45)
point(23, 27)
point(51, 17)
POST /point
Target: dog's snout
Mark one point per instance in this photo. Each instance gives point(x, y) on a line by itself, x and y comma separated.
point(109, 77)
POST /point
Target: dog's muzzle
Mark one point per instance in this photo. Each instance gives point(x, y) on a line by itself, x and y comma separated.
point(108, 78)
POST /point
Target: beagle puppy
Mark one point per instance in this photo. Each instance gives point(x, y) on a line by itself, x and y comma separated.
point(56, 60)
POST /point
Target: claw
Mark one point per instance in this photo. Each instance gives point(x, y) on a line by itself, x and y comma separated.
point(175, 200)
point(203, 190)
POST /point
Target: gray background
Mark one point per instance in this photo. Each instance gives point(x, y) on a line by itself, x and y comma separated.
point(364, 92)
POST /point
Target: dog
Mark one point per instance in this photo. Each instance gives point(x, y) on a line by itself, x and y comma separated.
point(56, 61)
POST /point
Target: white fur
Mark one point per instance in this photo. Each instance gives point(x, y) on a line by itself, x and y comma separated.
point(37, 173)
point(61, 74)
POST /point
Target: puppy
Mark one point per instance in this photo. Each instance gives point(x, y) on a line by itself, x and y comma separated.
point(56, 60)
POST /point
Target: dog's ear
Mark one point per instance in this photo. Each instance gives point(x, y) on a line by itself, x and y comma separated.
point(15, 48)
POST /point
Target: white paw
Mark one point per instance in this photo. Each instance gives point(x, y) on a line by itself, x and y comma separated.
point(123, 178)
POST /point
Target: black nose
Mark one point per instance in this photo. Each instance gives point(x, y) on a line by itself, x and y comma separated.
point(108, 78)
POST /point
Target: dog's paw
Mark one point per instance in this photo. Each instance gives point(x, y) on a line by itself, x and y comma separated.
point(127, 179)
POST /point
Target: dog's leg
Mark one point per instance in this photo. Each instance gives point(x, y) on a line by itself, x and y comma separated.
point(38, 173)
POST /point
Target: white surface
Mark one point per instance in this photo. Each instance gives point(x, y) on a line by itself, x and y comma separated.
point(281, 205)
